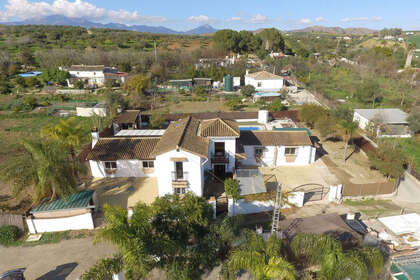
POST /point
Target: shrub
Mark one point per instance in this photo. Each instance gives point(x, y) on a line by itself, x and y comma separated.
point(248, 90)
point(276, 106)
point(8, 235)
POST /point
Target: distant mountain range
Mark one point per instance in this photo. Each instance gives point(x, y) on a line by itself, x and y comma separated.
point(336, 30)
point(61, 20)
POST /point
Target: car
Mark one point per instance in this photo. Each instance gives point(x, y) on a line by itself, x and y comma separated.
point(15, 274)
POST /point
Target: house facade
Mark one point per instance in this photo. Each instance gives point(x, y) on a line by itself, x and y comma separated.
point(264, 81)
point(190, 151)
point(383, 122)
point(95, 75)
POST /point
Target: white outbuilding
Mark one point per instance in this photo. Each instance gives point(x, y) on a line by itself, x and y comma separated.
point(264, 81)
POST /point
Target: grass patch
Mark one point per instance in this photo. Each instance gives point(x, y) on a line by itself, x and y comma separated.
point(411, 148)
point(365, 202)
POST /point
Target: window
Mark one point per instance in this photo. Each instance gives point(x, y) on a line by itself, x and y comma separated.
point(259, 84)
point(94, 73)
point(148, 164)
point(110, 165)
point(290, 152)
point(259, 153)
point(180, 190)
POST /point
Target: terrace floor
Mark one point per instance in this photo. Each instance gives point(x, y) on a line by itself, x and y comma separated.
point(125, 192)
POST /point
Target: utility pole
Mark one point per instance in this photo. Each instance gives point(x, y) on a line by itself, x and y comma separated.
point(155, 52)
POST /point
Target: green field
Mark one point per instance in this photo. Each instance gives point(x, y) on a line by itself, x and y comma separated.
point(411, 148)
point(415, 39)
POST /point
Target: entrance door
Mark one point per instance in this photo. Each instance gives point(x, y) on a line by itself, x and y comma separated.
point(179, 169)
point(220, 171)
point(219, 148)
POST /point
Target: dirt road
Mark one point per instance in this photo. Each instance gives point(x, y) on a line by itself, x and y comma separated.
point(65, 260)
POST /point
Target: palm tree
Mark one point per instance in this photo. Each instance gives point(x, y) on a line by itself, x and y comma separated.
point(348, 129)
point(45, 167)
point(262, 259)
point(70, 133)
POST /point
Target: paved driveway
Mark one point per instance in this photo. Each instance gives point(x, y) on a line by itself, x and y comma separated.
point(65, 260)
point(408, 190)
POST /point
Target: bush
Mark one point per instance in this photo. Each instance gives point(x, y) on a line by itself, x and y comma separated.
point(248, 90)
point(276, 106)
point(9, 235)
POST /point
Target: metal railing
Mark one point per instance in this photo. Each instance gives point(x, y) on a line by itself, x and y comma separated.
point(179, 176)
point(223, 158)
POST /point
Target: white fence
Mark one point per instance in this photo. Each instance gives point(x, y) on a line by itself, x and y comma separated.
point(243, 206)
point(83, 221)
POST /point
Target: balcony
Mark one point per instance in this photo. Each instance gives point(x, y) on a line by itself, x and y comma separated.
point(222, 158)
point(179, 176)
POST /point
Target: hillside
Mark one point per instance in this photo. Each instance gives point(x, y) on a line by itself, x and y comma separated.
point(336, 30)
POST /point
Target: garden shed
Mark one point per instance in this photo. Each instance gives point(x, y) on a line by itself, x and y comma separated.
point(71, 213)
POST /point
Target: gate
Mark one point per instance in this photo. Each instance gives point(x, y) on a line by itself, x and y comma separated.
point(313, 192)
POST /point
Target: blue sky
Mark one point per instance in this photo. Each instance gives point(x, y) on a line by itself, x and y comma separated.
point(244, 14)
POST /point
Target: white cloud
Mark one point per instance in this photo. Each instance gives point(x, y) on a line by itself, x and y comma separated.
point(259, 18)
point(347, 19)
point(234, 19)
point(305, 21)
point(320, 19)
point(199, 19)
point(24, 9)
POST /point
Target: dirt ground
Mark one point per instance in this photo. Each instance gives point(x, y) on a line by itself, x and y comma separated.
point(357, 164)
point(65, 260)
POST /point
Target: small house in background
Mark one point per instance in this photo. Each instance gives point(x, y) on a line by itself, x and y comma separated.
point(383, 122)
point(129, 119)
point(185, 84)
point(203, 82)
point(95, 75)
point(71, 213)
point(264, 81)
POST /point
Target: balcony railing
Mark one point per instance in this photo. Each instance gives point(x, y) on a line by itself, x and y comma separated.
point(220, 158)
point(179, 176)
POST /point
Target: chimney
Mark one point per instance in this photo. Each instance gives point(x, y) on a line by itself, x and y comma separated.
point(95, 136)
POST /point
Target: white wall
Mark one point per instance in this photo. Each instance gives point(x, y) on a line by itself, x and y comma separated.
point(193, 166)
point(230, 149)
point(90, 112)
point(93, 77)
point(363, 122)
point(266, 85)
point(304, 155)
point(125, 168)
point(83, 221)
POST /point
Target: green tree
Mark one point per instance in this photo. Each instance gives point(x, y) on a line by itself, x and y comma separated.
point(276, 106)
point(272, 40)
point(414, 121)
point(232, 188)
point(262, 259)
point(311, 113)
point(326, 126)
point(113, 101)
point(369, 91)
point(70, 133)
point(137, 84)
point(44, 167)
point(388, 159)
point(32, 82)
point(157, 120)
point(104, 269)
point(174, 234)
point(248, 90)
point(226, 39)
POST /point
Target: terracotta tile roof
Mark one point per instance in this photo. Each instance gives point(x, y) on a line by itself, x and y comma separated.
point(87, 68)
point(264, 75)
point(123, 148)
point(275, 138)
point(219, 127)
point(128, 116)
point(183, 134)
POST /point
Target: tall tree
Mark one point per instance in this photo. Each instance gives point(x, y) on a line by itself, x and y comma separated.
point(348, 129)
point(262, 259)
point(44, 167)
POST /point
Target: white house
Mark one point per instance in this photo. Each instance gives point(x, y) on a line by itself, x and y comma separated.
point(386, 122)
point(264, 81)
point(190, 150)
point(95, 75)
